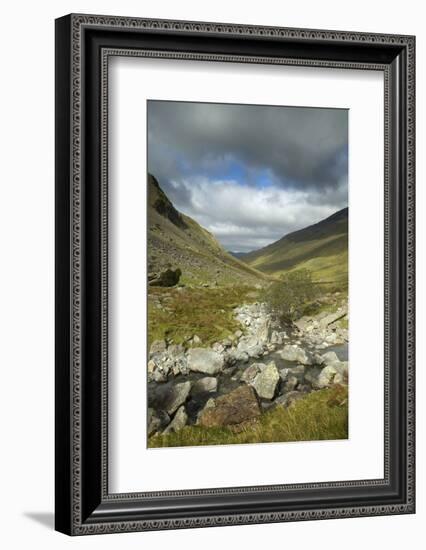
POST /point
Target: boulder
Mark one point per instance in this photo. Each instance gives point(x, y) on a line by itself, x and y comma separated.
point(312, 375)
point(175, 350)
point(207, 384)
point(291, 383)
point(156, 421)
point(205, 360)
point(266, 381)
point(179, 421)
point(277, 337)
point(326, 377)
point(176, 396)
point(159, 376)
point(158, 346)
point(240, 405)
point(298, 372)
point(168, 277)
point(284, 373)
point(250, 346)
point(292, 352)
point(342, 372)
point(288, 399)
point(233, 355)
point(332, 317)
point(250, 373)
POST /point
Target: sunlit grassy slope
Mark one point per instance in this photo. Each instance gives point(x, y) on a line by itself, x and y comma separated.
point(179, 313)
point(322, 248)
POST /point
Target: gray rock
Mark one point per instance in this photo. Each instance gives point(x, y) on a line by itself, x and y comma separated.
point(342, 372)
point(298, 372)
point(196, 340)
point(233, 355)
point(317, 359)
point(266, 381)
point(332, 317)
point(291, 383)
point(278, 337)
point(250, 373)
point(176, 396)
point(292, 352)
point(158, 346)
point(179, 421)
point(205, 360)
point(250, 345)
point(284, 373)
point(326, 377)
point(218, 347)
point(159, 376)
point(288, 399)
point(175, 350)
point(312, 374)
point(151, 366)
point(156, 420)
point(204, 385)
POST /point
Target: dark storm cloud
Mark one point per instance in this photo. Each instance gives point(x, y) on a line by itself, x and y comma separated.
point(300, 147)
point(250, 174)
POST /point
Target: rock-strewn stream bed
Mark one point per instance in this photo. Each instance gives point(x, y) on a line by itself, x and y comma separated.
point(261, 366)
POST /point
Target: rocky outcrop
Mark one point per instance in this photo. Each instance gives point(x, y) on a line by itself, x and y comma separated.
point(236, 407)
point(324, 329)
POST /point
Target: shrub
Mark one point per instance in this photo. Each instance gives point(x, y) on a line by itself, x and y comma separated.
point(290, 296)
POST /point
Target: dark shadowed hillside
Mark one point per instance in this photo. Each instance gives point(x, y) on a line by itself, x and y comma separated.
point(178, 241)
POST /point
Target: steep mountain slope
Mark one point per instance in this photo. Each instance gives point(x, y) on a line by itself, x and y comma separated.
point(322, 248)
point(178, 241)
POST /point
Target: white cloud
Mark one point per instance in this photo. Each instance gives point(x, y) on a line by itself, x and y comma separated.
point(245, 218)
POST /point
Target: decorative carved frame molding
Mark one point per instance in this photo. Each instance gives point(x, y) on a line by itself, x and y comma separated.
point(84, 505)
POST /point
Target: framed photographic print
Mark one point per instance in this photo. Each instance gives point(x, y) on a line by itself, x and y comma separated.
point(234, 274)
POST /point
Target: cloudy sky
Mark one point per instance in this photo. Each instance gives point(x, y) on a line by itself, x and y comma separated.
point(249, 174)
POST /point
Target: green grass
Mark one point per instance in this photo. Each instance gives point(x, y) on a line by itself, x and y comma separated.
point(321, 415)
point(184, 312)
point(321, 248)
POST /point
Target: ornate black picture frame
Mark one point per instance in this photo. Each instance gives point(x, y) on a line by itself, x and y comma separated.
point(83, 45)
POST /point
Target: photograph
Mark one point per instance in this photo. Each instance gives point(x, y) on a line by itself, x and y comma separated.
point(247, 273)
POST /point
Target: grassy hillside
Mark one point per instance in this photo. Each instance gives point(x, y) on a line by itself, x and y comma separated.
point(322, 248)
point(178, 241)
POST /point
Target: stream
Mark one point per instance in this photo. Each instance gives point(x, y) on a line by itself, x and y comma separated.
point(227, 380)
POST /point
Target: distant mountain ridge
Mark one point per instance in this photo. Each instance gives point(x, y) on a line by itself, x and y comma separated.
point(177, 241)
point(322, 248)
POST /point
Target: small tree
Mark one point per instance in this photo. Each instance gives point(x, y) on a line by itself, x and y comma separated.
point(290, 296)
